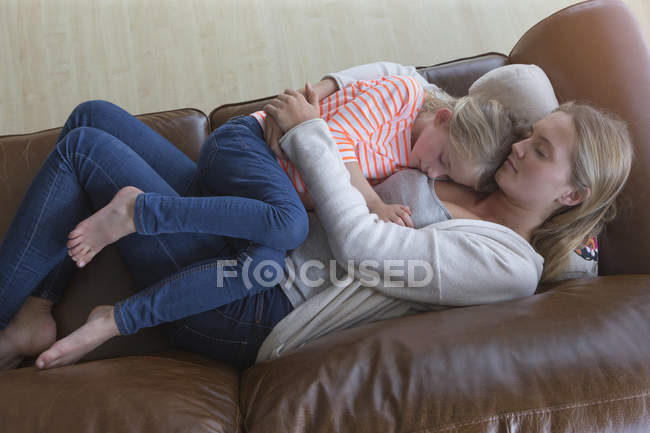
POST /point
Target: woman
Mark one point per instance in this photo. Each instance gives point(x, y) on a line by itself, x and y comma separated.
point(359, 236)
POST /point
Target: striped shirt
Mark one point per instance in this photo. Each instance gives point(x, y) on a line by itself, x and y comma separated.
point(370, 122)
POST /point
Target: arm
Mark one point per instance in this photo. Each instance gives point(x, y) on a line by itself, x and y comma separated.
point(272, 132)
point(478, 263)
point(355, 125)
point(397, 213)
point(325, 87)
point(334, 81)
point(373, 71)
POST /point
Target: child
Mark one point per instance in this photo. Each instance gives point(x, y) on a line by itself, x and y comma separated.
point(383, 126)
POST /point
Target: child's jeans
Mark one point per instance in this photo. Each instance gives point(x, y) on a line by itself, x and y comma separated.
point(207, 265)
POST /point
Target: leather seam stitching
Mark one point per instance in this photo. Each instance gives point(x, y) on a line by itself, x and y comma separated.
point(535, 411)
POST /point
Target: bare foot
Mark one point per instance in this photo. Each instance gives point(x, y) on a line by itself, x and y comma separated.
point(31, 330)
point(100, 327)
point(107, 225)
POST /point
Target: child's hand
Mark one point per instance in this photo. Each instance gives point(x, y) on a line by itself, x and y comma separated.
point(397, 213)
point(290, 108)
point(323, 88)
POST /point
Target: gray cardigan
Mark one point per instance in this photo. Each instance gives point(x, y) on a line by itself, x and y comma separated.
point(457, 261)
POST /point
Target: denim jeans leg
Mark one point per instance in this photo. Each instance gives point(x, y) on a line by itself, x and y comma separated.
point(172, 165)
point(53, 284)
point(34, 244)
point(192, 290)
point(176, 168)
point(234, 332)
point(261, 204)
point(231, 276)
point(247, 194)
point(80, 176)
point(94, 158)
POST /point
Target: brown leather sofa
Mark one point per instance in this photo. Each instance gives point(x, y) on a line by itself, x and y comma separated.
point(573, 358)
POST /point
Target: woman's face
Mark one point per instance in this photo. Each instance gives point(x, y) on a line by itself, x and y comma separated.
point(537, 172)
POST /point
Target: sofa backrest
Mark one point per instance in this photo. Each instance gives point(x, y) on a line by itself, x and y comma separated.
point(596, 51)
point(454, 77)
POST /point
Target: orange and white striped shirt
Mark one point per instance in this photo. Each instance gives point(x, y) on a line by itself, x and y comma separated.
point(370, 122)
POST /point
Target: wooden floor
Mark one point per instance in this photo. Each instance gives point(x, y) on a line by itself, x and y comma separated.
point(152, 55)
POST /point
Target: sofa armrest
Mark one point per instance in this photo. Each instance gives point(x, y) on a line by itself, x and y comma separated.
point(596, 51)
point(575, 354)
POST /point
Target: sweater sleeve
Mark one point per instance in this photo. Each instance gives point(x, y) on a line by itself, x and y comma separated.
point(373, 71)
point(452, 265)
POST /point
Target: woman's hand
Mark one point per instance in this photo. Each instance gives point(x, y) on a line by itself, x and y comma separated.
point(397, 213)
point(272, 132)
point(290, 108)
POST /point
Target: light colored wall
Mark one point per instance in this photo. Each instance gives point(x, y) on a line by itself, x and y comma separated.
point(148, 55)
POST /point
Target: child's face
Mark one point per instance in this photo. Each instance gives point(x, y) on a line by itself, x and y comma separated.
point(436, 155)
point(432, 145)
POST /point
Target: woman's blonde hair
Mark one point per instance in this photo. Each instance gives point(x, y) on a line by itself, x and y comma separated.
point(482, 131)
point(602, 161)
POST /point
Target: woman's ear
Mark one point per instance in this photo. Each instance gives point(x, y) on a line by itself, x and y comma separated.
point(575, 197)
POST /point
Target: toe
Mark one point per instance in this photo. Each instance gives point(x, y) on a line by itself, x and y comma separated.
point(78, 250)
point(84, 259)
point(47, 358)
point(75, 233)
point(74, 242)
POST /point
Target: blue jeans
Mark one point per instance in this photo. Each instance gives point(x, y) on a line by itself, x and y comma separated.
point(204, 262)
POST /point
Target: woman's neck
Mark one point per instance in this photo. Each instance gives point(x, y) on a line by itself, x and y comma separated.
point(498, 208)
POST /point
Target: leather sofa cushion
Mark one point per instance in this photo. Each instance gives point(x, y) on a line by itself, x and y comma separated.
point(570, 359)
point(171, 392)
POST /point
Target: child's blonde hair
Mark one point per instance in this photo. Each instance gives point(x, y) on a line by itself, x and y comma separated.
point(602, 163)
point(482, 132)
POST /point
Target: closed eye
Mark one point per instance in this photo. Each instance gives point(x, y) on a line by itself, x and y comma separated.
point(443, 163)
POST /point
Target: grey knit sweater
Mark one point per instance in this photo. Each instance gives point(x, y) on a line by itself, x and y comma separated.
point(456, 261)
